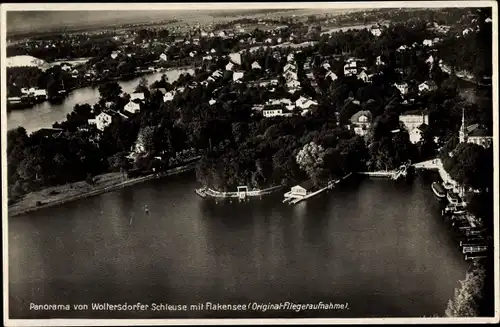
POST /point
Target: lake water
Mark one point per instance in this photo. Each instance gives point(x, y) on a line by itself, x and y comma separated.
point(379, 246)
point(45, 114)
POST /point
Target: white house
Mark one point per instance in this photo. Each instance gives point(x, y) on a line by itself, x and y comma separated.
point(466, 31)
point(221, 34)
point(132, 107)
point(103, 120)
point(66, 67)
point(488, 20)
point(402, 48)
point(428, 43)
point(290, 57)
point(114, 55)
point(414, 119)
point(302, 189)
point(290, 75)
point(427, 86)
point(163, 57)
point(229, 66)
point(212, 50)
point(137, 96)
point(212, 34)
point(235, 58)
point(207, 58)
point(350, 68)
point(169, 96)
point(376, 31)
point(212, 102)
point(361, 121)
point(238, 75)
point(305, 103)
point(331, 75)
point(272, 112)
point(255, 65)
point(289, 67)
point(363, 76)
point(203, 34)
point(268, 40)
point(192, 54)
point(327, 66)
point(430, 60)
point(40, 94)
point(416, 133)
point(402, 87)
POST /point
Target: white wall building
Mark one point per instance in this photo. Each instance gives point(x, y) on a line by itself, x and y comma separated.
point(132, 107)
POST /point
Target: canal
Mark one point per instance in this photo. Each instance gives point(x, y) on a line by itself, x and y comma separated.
point(45, 114)
point(377, 245)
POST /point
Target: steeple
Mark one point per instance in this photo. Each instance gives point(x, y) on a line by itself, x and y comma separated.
point(462, 135)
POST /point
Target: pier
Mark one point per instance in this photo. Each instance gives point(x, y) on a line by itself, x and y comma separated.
point(395, 174)
point(241, 194)
point(294, 197)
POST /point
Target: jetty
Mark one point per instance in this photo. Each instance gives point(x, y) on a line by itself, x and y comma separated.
point(242, 193)
point(305, 191)
point(395, 174)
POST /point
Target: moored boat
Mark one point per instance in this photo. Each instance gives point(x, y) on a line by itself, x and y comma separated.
point(438, 190)
point(454, 209)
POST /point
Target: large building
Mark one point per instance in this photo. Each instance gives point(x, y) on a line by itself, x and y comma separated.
point(474, 134)
point(413, 119)
point(361, 121)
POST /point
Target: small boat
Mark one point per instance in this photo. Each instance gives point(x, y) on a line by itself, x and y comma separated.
point(455, 209)
point(146, 209)
point(448, 186)
point(453, 198)
point(438, 190)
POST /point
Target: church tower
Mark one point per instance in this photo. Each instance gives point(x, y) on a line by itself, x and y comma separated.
point(462, 134)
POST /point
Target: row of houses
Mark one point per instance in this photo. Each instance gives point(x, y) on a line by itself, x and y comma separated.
point(286, 107)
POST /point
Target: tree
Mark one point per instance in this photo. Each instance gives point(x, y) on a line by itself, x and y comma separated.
point(465, 300)
point(110, 91)
point(311, 159)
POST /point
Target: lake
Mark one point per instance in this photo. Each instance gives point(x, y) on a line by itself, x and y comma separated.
point(380, 246)
point(45, 114)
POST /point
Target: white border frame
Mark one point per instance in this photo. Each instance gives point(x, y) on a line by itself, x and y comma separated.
point(239, 6)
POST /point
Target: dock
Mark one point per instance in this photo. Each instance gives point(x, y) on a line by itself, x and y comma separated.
point(293, 198)
point(395, 174)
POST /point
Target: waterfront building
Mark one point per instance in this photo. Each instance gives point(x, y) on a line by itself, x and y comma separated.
point(475, 134)
point(302, 189)
point(361, 121)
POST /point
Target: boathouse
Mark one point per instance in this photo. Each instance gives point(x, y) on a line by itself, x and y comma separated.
point(302, 189)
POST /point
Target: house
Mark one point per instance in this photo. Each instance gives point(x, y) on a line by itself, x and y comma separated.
point(203, 34)
point(206, 58)
point(221, 34)
point(229, 66)
point(40, 94)
point(212, 50)
point(289, 67)
point(331, 75)
point(192, 54)
point(466, 31)
point(293, 84)
point(427, 86)
point(280, 40)
point(103, 120)
point(379, 61)
point(132, 107)
point(109, 104)
point(268, 40)
point(361, 121)
point(402, 87)
point(413, 119)
point(169, 96)
point(290, 75)
point(66, 67)
point(272, 112)
point(430, 60)
point(428, 43)
point(114, 55)
point(235, 58)
point(302, 189)
point(327, 66)
point(212, 102)
point(350, 68)
point(376, 31)
point(163, 57)
point(217, 74)
point(416, 133)
point(290, 57)
point(238, 75)
point(305, 103)
point(488, 20)
point(255, 65)
point(363, 76)
point(137, 96)
point(402, 48)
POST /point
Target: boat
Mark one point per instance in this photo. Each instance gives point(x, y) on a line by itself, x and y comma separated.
point(438, 190)
point(448, 186)
point(453, 198)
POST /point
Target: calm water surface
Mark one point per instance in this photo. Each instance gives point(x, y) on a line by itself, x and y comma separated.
point(378, 245)
point(45, 114)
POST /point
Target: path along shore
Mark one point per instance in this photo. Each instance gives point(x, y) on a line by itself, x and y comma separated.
point(61, 194)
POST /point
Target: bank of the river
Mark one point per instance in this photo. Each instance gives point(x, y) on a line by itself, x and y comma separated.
point(44, 115)
point(61, 194)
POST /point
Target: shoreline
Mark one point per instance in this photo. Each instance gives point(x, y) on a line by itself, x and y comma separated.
point(98, 190)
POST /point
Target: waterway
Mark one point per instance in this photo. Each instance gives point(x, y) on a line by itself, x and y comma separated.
point(378, 245)
point(45, 114)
